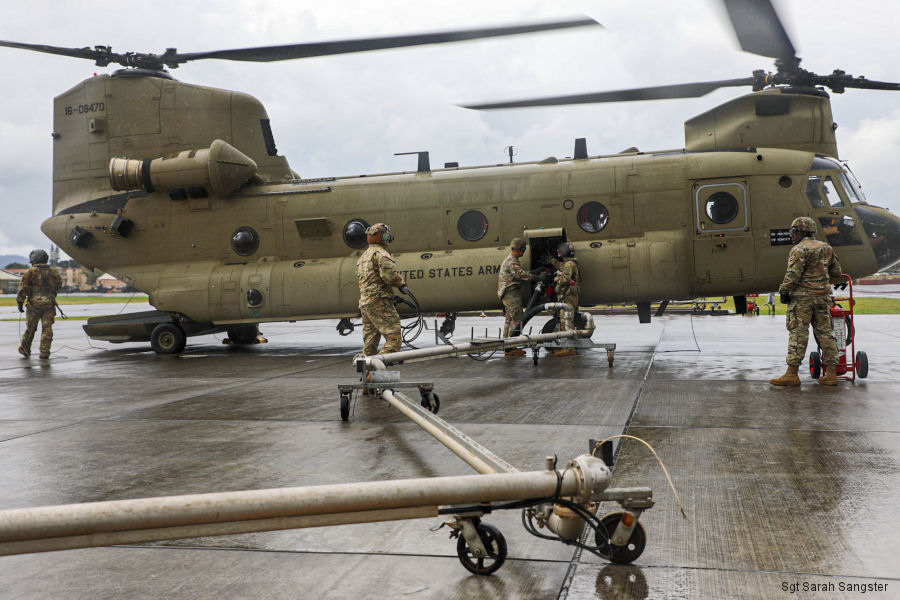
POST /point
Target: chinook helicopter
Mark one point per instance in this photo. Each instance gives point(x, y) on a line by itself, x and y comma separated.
point(178, 190)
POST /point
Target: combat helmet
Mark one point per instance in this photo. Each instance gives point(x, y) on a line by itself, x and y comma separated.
point(386, 237)
point(804, 224)
point(565, 249)
point(38, 256)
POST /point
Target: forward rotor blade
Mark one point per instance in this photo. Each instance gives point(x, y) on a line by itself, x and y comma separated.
point(75, 52)
point(758, 28)
point(662, 92)
point(868, 84)
point(292, 51)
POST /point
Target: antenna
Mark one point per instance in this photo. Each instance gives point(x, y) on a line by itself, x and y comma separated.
point(511, 151)
point(424, 162)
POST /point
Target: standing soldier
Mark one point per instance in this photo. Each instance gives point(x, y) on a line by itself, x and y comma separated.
point(376, 274)
point(812, 267)
point(567, 285)
point(510, 289)
point(38, 286)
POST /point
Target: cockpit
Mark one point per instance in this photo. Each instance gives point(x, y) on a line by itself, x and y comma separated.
point(832, 190)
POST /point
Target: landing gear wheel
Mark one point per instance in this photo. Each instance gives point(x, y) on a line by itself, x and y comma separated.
point(534, 356)
point(609, 357)
point(620, 554)
point(243, 334)
point(815, 365)
point(168, 338)
point(430, 401)
point(862, 364)
point(345, 407)
point(494, 543)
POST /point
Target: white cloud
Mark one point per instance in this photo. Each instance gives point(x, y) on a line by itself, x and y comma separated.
point(349, 114)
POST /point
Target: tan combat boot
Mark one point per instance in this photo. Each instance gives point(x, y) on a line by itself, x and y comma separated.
point(789, 378)
point(24, 352)
point(515, 352)
point(564, 352)
point(830, 376)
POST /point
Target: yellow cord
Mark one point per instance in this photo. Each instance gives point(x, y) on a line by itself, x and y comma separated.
point(669, 479)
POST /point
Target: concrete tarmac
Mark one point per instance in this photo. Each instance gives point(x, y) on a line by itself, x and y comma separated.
point(789, 493)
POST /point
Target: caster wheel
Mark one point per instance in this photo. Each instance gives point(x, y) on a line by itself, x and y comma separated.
point(862, 364)
point(815, 365)
point(494, 543)
point(345, 407)
point(534, 356)
point(430, 401)
point(620, 554)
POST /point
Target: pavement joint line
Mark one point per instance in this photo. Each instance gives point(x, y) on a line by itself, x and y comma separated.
point(769, 571)
point(576, 556)
point(317, 552)
point(799, 429)
point(43, 431)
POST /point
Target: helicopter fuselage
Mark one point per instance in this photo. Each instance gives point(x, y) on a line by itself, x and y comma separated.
point(646, 226)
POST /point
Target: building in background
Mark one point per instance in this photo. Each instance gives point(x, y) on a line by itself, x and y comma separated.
point(9, 282)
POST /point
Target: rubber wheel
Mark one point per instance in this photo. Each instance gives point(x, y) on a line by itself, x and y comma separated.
point(862, 364)
point(620, 554)
point(245, 333)
point(815, 365)
point(494, 543)
point(345, 407)
point(168, 338)
point(431, 401)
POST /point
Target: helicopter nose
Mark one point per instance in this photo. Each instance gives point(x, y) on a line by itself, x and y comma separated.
point(883, 231)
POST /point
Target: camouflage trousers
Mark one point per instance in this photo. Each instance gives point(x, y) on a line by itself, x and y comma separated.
point(379, 317)
point(43, 314)
point(802, 312)
point(514, 307)
point(567, 321)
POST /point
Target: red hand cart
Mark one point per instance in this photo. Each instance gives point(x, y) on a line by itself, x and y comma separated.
point(845, 335)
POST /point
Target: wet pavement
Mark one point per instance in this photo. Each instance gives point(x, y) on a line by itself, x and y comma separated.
point(785, 489)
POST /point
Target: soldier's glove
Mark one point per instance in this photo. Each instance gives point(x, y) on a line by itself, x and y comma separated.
point(841, 286)
point(785, 297)
point(404, 290)
point(20, 307)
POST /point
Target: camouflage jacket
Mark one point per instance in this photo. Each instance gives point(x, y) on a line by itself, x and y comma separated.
point(376, 273)
point(39, 285)
point(568, 272)
point(511, 275)
point(812, 267)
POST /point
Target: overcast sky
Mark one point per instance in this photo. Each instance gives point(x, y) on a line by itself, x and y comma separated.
point(347, 115)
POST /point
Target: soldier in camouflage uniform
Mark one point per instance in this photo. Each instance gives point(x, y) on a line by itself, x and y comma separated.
point(812, 268)
point(568, 285)
point(376, 274)
point(511, 288)
point(38, 287)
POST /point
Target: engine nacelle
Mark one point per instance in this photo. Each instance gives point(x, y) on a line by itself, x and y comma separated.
point(221, 167)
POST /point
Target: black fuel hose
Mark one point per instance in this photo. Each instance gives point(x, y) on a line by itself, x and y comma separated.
point(411, 331)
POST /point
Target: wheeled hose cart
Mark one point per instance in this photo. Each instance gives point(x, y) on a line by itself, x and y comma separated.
point(850, 364)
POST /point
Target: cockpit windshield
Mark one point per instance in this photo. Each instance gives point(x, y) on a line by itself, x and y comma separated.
point(822, 188)
point(857, 193)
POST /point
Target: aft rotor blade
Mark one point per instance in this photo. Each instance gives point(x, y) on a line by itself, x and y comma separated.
point(292, 51)
point(759, 29)
point(662, 92)
point(75, 52)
